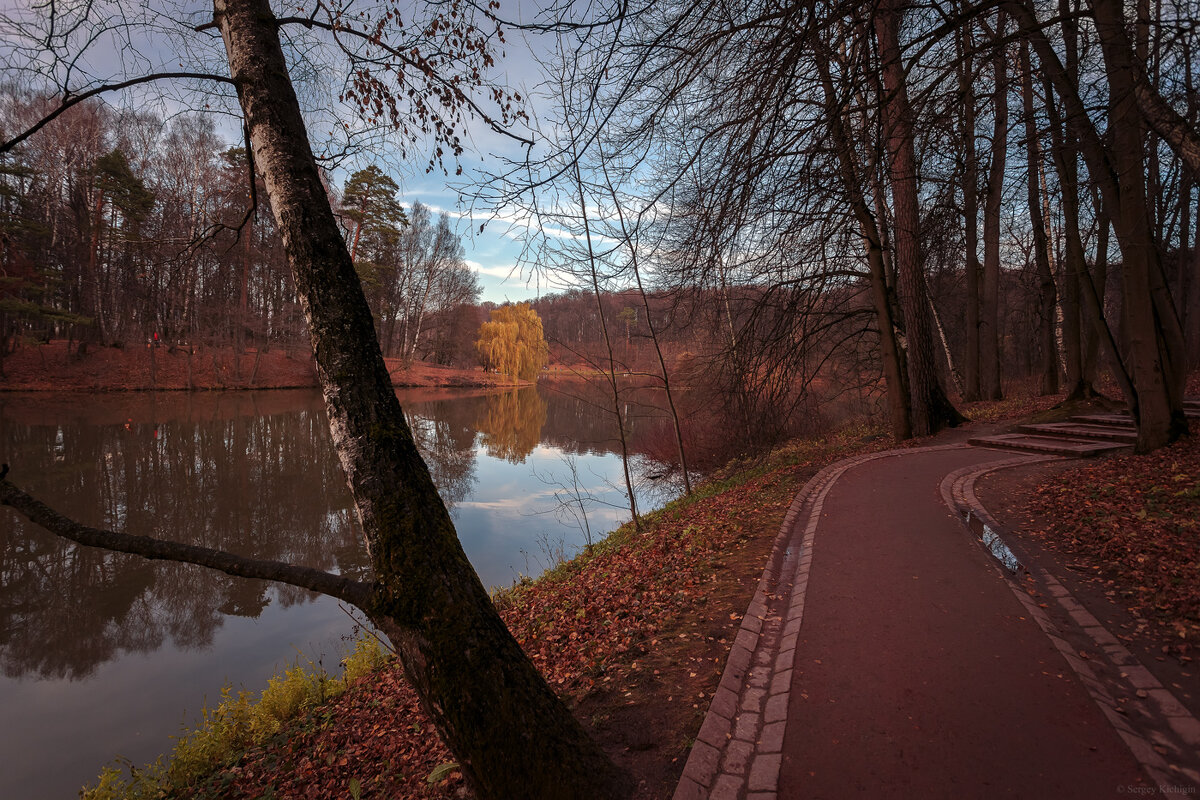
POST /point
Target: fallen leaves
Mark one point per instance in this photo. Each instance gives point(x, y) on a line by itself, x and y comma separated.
point(1131, 523)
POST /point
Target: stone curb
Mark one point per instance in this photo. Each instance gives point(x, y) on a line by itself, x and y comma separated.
point(739, 750)
point(1162, 735)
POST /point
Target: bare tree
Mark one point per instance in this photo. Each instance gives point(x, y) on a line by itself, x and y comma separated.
point(1150, 322)
point(853, 182)
point(1041, 241)
point(931, 409)
point(989, 316)
point(964, 49)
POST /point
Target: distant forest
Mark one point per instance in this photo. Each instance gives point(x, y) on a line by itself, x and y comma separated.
point(119, 227)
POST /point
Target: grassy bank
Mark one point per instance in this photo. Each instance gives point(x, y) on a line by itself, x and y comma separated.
point(237, 723)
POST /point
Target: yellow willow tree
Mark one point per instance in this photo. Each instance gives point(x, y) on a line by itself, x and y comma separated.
point(512, 342)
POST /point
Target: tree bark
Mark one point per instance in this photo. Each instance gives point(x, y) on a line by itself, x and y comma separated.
point(91, 294)
point(893, 373)
point(989, 316)
point(1073, 267)
point(1155, 392)
point(970, 192)
point(1192, 330)
point(1047, 300)
point(511, 734)
point(1150, 322)
point(931, 410)
point(1168, 123)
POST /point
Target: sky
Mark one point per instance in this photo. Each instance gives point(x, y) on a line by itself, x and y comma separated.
point(498, 253)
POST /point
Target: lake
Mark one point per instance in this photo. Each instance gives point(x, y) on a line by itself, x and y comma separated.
point(105, 655)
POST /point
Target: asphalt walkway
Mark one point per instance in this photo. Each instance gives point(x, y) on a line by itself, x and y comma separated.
point(889, 653)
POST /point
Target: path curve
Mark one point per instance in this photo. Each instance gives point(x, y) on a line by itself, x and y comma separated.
point(887, 651)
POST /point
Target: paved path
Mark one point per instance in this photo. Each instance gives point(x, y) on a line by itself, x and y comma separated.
point(887, 653)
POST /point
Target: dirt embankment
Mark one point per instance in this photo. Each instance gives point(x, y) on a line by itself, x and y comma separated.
point(55, 367)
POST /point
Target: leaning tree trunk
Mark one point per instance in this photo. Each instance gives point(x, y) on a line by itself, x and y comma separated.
point(931, 410)
point(512, 736)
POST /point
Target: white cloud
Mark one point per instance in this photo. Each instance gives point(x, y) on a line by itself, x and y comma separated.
point(496, 272)
point(516, 223)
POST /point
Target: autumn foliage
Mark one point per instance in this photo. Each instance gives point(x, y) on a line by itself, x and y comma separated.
point(512, 342)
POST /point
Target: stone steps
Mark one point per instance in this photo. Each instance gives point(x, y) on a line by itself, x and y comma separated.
point(1118, 419)
point(1081, 430)
point(1082, 436)
point(1053, 445)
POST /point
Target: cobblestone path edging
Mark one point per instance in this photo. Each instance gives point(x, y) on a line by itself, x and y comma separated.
point(1161, 733)
point(739, 749)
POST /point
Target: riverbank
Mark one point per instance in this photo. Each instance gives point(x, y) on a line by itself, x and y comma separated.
point(633, 635)
point(54, 366)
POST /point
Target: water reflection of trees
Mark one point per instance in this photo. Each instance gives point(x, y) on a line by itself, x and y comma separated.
point(511, 427)
point(445, 433)
point(249, 473)
point(580, 417)
point(267, 487)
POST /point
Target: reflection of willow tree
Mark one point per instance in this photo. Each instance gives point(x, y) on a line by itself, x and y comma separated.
point(266, 486)
point(512, 425)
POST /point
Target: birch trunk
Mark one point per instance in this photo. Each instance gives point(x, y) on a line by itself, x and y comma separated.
point(512, 736)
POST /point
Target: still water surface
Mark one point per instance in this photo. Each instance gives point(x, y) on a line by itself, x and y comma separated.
point(105, 655)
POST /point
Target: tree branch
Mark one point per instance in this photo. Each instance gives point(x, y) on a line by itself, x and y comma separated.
point(351, 591)
point(75, 99)
point(406, 60)
point(1168, 123)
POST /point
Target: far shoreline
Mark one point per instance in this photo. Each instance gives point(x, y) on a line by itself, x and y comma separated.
point(53, 367)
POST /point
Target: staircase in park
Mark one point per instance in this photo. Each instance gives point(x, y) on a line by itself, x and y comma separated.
point(1082, 436)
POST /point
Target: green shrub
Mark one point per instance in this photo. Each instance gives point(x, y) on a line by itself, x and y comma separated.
point(236, 723)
